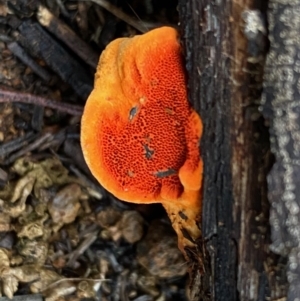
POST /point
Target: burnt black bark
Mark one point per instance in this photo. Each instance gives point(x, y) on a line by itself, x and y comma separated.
point(225, 44)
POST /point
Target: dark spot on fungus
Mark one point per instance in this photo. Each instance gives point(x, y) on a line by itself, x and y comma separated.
point(148, 152)
point(182, 215)
point(165, 173)
point(133, 112)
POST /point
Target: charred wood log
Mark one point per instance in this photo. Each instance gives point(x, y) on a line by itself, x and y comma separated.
point(226, 44)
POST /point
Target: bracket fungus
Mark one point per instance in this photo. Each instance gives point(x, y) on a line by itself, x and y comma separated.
point(139, 134)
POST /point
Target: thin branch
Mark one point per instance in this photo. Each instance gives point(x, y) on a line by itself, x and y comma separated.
point(12, 96)
point(35, 297)
point(32, 146)
point(121, 15)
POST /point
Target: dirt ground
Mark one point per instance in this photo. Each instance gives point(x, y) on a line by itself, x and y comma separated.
point(62, 236)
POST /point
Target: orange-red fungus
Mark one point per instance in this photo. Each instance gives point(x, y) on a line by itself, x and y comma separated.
point(139, 134)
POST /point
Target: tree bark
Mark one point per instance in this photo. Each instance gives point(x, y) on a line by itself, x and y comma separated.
point(225, 45)
point(281, 105)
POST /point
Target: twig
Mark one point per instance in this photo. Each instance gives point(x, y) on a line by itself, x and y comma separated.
point(13, 145)
point(36, 297)
point(20, 53)
point(121, 15)
point(113, 261)
point(84, 245)
point(63, 9)
point(56, 140)
point(6, 39)
point(12, 96)
point(34, 145)
point(3, 175)
point(72, 279)
point(99, 189)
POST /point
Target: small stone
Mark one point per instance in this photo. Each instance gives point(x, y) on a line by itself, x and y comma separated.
point(132, 226)
point(158, 252)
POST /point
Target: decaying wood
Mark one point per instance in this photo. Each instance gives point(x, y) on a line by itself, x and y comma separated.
point(281, 105)
point(40, 44)
point(67, 36)
point(225, 45)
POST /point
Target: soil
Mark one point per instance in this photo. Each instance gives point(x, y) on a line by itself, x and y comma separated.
point(62, 236)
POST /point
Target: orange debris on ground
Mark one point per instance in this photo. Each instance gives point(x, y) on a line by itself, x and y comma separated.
point(139, 134)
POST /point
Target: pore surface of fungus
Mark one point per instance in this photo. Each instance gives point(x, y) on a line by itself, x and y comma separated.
point(139, 134)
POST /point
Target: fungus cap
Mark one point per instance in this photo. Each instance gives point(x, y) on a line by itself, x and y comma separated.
point(139, 134)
